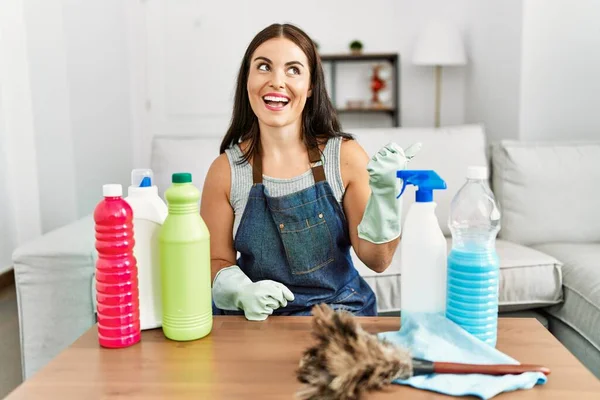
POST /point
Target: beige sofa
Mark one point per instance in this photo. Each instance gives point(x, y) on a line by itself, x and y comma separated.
point(548, 244)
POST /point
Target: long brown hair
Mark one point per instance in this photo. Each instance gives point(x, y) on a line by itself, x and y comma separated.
point(319, 119)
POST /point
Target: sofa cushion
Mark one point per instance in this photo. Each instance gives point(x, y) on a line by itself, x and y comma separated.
point(448, 150)
point(528, 279)
point(192, 154)
point(547, 191)
point(581, 281)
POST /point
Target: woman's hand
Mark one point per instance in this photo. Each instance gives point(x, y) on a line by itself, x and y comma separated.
point(373, 211)
point(233, 290)
point(381, 222)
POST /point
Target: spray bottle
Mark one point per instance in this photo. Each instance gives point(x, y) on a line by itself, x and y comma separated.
point(423, 248)
point(149, 213)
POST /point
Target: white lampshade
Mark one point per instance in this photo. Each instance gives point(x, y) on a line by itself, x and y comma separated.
point(439, 44)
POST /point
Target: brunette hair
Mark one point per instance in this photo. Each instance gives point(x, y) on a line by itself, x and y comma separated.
point(319, 119)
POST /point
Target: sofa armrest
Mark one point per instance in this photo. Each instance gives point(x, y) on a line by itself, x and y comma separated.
point(53, 278)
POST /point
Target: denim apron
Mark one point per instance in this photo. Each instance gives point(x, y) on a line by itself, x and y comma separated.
point(302, 241)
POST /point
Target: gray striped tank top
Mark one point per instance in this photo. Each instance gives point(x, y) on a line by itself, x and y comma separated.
point(241, 179)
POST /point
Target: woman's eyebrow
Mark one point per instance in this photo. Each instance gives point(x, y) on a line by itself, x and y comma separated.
point(264, 59)
point(293, 62)
point(271, 62)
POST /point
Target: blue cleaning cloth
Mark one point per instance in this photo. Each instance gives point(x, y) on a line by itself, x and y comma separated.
point(436, 338)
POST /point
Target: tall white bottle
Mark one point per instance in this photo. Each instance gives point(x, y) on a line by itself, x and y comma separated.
point(149, 213)
point(423, 249)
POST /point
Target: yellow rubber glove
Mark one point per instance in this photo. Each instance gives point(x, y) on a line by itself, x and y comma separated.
point(382, 219)
point(233, 290)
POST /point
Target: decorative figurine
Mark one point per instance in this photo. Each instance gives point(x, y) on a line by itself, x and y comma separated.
point(377, 84)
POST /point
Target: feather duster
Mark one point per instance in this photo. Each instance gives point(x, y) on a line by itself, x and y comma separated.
point(347, 361)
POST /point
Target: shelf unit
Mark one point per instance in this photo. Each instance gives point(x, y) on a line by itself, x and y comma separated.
point(392, 58)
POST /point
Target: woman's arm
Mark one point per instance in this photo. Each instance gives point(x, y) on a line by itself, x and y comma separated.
point(353, 164)
point(217, 213)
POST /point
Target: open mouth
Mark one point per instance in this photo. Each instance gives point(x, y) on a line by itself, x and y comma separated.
point(275, 103)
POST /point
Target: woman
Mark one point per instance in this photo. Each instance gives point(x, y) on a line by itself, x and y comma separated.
point(295, 192)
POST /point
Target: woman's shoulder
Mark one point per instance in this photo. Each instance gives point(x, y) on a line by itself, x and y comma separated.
point(220, 163)
point(218, 176)
point(353, 161)
point(352, 154)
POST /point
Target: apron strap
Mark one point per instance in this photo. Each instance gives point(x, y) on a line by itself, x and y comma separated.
point(257, 168)
point(314, 156)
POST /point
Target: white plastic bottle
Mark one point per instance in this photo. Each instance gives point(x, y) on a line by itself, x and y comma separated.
point(423, 249)
point(149, 213)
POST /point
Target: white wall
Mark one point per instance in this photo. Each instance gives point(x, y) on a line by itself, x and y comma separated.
point(493, 73)
point(97, 62)
point(533, 73)
point(560, 74)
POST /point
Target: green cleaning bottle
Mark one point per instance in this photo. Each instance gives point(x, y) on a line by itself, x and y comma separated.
point(185, 264)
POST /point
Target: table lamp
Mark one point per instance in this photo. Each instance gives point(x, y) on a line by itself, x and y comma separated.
point(439, 44)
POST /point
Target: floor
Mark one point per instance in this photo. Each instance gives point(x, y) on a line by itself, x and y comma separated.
point(10, 354)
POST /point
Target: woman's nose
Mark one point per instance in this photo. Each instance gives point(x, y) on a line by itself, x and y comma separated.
point(277, 81)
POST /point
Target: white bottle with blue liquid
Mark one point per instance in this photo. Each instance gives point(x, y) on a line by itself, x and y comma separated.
point(473, 265)
point(149, 213)
point(423, 249)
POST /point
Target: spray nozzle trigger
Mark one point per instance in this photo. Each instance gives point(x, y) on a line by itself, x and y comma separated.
point(425, 180)
point(403, 187)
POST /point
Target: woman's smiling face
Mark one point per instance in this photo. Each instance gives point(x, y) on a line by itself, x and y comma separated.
point(278, 82)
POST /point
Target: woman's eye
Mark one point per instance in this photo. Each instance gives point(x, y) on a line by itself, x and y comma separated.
point(263, 67)
point(294, 70)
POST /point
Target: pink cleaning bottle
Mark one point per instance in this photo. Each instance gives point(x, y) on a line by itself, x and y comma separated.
point(117, 292)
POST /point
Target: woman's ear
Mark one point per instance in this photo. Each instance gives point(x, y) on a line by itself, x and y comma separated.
point(309, 93)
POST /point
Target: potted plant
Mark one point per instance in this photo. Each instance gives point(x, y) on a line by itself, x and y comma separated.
point(356, 47)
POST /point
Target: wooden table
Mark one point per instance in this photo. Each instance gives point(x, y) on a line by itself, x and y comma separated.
point(257, 360)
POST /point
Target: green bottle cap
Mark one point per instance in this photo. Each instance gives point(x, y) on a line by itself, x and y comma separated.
point(181, 177)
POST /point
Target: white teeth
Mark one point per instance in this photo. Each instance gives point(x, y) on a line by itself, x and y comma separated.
point(275, 98)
